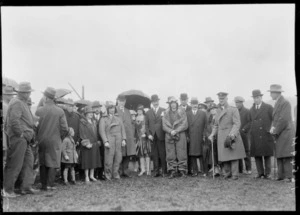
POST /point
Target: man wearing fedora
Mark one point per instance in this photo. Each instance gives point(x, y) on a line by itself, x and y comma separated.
point(209, 102)
point(227, 125)
point(262, 144)
point(19, 127)
point(7, 95)
point(96, 106)
point(175, 125)
point(155, 133)
point(283, 131)
point(197, 122)
point(130, 148)
point(52, 128)
point(244, 129)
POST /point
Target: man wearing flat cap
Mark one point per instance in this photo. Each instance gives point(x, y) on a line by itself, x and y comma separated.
point(130, 148)
point(52, 128)
point(19, 126)
point(7, 95)
point(155, 132)
point(227, 125)
point(197, 121)
point(244, 129)
point(283, 131)
point(262, 144)
point(175, 125)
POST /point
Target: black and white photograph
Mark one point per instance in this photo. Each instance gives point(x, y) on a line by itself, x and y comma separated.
point(168, 107)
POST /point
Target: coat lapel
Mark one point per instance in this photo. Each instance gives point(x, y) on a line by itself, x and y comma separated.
point(222, 113)
point(194, 117)
point(259, 111)
point(277, 104)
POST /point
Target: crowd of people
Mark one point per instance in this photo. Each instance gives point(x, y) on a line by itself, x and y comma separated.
point(99, 140)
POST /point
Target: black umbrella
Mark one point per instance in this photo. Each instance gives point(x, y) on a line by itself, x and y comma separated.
point(136, 97)
point(62, 92)
point(82, 103)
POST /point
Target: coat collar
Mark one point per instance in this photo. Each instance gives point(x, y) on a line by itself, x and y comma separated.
point(277, 104)
point(260, 110)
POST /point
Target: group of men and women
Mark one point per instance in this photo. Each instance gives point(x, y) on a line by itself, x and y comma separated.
point(100, 140)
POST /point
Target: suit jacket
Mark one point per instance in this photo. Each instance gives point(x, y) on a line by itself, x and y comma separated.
point(153, 123)
point(188, 108)
point(261, 141)
point(284, 130)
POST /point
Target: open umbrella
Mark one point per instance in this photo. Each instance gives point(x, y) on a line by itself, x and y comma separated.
point(61, 92)
point(136, 97)
point(82, 103)
point(9, 82)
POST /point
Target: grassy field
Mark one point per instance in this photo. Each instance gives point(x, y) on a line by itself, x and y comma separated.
point(162, 194)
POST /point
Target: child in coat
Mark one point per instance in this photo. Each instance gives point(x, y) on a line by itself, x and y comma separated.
point(69, 156)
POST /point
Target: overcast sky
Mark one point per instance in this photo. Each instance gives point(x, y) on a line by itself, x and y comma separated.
point(167, 50)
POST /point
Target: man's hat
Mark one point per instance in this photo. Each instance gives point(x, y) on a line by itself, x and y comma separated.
point(50, 93)
point(208, 99)
point(203, 105)
point(213, 106)
point(154, 98)
point(24, 87)
point(256, 93)
point(8, 90)
point(96, 104)
point(109, 104)
point(69, 102)
point(194, 101)
point(275, 88)
point(239, 99)
point(222, 95)
point(88, 109)
point(121, 98)
point(183, 96)
point(171, 99)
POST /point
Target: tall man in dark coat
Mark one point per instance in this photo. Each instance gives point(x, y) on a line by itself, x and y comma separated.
point(283, 131)
point(184, 105)
point(197, 122)
point(244, 129)
point(52, 128)
point(19, 127)
point(96, 118)
point(262, 144)
point(154, 131)
point(130, 148)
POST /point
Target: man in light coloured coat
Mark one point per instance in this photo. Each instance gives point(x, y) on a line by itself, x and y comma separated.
point(227, 125)
point(283, 131)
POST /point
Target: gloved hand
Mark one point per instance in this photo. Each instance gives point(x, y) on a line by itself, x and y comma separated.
point(106, 144)
point(123, 143)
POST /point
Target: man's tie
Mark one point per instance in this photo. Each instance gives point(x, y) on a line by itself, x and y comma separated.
point(256, 107)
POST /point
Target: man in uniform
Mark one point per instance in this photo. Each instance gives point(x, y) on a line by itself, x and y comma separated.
point(230, 144)
point(52, 128)
point(130, 148)
point(283, 131)
point(19, 127)
point(245, 119)
point(154, 131)
point(175, 125)
point(262, 143)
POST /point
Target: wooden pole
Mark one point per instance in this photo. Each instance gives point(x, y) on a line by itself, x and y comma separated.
point(74, 90)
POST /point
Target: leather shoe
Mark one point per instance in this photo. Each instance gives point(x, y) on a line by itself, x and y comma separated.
point(268, 176)
point(234, 178)
point(172, 175)
point(31, 191)
point(126, 176)
point(156, 175)
point(226, 176)
point(279, 179)
point(194, 174)
point(259, 176)
point(102, 178)
point(72, 182)
point(10, 195)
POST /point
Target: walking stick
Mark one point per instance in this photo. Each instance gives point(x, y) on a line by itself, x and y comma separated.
point(212, 157)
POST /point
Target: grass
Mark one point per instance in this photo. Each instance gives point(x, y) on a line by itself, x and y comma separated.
point(162, 194)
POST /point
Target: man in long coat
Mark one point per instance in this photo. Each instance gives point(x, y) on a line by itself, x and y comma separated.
point(19, 127)
point(130, 148)
point(175, 125)
point(262, 144)
point(197, 121)
point(227, 125)
point(283, 131)
point(52, 128)
point(244, 129)
point(155, 132)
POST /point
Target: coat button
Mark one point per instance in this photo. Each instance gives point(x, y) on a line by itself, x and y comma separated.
point(260, 127)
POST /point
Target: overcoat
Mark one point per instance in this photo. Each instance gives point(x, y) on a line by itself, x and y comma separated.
point(244, 129)
point(4, 113)
point(228, 122)
point(284, 130)
point(130, 148)
point(153, 123)
point(196, 131)
point(262, 143)
point(73, 122)
point(52, 128)
point(69, 149)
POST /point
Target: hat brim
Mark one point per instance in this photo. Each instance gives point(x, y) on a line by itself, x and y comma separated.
point(275, 91)
point(9, 93)
point(257, 95)
point(21, 91)
point(155, 100)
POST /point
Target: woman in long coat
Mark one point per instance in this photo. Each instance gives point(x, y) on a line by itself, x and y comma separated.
point(90, 146)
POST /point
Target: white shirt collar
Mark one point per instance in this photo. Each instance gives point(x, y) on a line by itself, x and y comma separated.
point(258, 105)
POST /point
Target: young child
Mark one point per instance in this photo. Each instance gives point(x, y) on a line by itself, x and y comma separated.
point(69, 156)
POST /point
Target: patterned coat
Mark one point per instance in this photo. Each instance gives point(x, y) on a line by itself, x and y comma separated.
point(284, 130)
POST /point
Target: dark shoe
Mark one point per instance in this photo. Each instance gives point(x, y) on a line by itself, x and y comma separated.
point(183, 174)
point(156, 175)
point(102, 178)
point(72, 182)
point(234, 178)
point(268, 176)
point(226, 176)
point(43, 188)
point(278, 179)
point(126, 176)
point(31, 191)
point(10, 195)
point(172, 175)
point(259, 176)
point(194, 174)
point(66, 183)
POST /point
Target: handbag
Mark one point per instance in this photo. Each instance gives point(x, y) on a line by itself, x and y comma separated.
point(229, 143)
